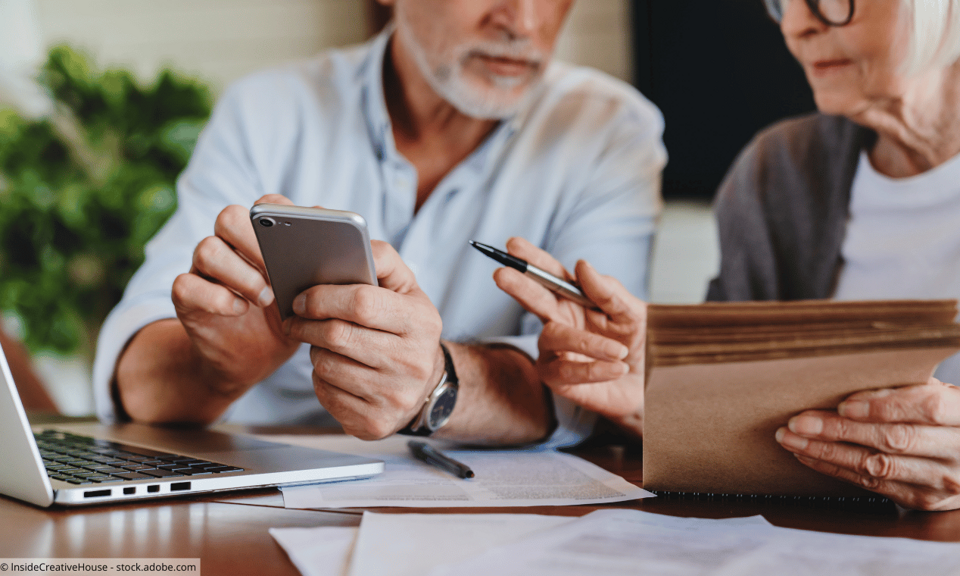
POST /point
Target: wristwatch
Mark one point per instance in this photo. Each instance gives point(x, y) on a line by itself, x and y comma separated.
point(438, 407)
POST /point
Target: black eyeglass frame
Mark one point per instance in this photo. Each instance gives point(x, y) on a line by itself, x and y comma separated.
point(774, 8)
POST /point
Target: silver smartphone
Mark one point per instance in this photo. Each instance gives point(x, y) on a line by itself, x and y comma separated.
point(305, 247)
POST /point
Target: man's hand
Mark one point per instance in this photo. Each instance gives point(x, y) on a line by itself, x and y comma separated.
point(903, 443)
point(592, 357)
point(225, 303)
point(375, 350)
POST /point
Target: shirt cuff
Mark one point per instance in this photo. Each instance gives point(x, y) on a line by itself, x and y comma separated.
point(120, 327)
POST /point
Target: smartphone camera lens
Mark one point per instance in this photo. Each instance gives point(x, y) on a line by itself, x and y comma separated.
point(267, 222)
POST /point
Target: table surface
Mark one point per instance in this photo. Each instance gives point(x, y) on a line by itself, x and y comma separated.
point(228, 532)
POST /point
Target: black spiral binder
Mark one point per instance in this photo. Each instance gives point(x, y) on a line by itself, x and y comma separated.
point(862, 503)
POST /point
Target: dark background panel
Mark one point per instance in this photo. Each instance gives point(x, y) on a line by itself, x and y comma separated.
point(719, 71)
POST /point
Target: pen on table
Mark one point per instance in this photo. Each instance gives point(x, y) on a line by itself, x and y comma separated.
point(556, 285)
point(427, 453)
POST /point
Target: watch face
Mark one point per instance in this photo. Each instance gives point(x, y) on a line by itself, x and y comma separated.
point(442, 409)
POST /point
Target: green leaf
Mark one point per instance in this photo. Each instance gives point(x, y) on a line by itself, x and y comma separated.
point(79, 205)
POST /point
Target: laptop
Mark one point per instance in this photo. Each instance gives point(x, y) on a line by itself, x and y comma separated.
point(79, 464)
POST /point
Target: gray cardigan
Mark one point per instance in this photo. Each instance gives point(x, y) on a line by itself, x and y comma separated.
point(782, 210)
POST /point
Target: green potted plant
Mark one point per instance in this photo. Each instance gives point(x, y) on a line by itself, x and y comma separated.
point(82, 190)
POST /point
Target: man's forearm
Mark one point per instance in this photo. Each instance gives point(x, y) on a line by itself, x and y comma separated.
point(161, 379)
point(501, 400)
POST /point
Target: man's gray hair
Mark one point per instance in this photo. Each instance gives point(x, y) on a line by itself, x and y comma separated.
point(935, 34)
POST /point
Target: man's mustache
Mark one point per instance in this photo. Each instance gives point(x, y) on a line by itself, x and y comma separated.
point(511, 50)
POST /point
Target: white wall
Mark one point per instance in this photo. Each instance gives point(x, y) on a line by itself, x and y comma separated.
point(598, 34)
point(220, 40)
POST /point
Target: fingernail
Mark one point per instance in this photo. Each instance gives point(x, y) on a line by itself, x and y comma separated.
point(780, 432)
point(624, 368)
point(617, 350)
point(854, 409)
point(300, 304)
point(266, 297)
point(791, 440)
point(805, 425)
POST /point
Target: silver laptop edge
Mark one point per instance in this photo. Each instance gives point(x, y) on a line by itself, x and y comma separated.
point(23, 475)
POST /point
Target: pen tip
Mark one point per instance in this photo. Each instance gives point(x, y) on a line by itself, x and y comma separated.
point(469, 474)
point(472, 242)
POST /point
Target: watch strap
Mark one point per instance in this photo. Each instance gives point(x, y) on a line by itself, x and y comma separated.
point(418, 426)
point(448, 365)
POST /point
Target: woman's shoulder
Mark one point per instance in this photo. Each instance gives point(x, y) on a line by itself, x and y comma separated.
point(804, 152)
point(809, 143)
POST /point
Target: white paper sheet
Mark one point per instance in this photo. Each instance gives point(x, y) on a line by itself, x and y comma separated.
point(618, 542)
point(413, 544)
point(322, 551)
point(804, 553)
point(503, 478)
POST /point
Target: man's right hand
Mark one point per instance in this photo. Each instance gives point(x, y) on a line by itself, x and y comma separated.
point(225, 304)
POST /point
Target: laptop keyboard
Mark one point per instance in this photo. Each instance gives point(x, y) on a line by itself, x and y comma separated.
point(84, 460)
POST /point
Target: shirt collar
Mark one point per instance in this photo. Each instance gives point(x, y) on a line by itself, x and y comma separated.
point(373, 104)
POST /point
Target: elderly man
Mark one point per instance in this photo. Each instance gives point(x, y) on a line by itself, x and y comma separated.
point(447, 127)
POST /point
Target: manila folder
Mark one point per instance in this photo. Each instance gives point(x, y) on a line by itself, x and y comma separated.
point(710, 428)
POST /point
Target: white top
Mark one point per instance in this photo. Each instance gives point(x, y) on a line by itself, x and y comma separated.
point(903, 240)
point(576, 172)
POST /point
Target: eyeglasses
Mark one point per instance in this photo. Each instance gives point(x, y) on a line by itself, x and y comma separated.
point(830, 12)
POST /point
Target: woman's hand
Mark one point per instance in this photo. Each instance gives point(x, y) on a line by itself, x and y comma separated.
point(592, 357)
point(903, 443)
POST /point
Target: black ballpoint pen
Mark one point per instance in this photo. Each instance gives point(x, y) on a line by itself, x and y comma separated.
point(558, 286)
point(427, 453)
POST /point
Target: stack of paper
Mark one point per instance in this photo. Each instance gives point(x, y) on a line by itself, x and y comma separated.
point(620, 542)
point(606, 542)
point(519, 477)
point(750, 331)
point(722, 377)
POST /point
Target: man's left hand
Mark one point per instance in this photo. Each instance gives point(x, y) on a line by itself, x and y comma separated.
point(902, 443)
point(375, 350)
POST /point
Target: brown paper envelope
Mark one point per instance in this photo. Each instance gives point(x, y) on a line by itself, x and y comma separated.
point(902, 338)
point(662, 358)
point(710, 428)
point(785, 333)
point(800, 312)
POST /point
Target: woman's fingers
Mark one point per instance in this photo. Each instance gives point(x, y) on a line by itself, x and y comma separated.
point(934, 488)
point(542, 259)
point(559, 371)
point(557, 338)
point(531, 295)
point(920, 440)
point(611, 297)
point(934, 403)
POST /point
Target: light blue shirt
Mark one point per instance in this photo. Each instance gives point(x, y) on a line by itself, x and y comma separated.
point(576, 172)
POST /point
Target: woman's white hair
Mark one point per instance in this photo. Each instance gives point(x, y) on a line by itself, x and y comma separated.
point(935, 34)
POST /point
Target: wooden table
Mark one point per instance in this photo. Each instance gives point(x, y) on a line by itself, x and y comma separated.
point(229, 532)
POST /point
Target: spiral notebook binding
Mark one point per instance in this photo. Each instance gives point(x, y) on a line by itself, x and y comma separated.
point(844, 502)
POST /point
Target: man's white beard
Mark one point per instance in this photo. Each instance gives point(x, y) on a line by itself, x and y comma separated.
point(449, 81)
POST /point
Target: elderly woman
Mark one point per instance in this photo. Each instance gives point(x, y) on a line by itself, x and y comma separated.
point(859, 201)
